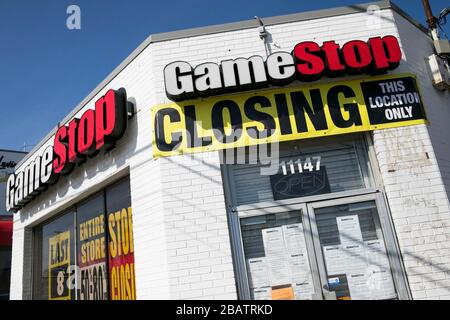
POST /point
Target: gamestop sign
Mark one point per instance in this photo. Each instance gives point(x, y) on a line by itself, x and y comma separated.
point(97, 129)
point(203, 118)
point(307, 62)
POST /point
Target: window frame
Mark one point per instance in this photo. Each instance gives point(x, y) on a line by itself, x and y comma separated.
point(367, 174)
point(102, 194)
point(36, 234)
point(382, 230)
point(36, 253)
point(299, 207)
point(375, 192)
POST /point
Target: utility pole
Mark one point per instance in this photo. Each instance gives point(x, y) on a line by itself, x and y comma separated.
point(431, 20)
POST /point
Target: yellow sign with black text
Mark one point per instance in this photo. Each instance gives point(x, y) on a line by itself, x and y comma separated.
point(289, 113)
point(58, 266)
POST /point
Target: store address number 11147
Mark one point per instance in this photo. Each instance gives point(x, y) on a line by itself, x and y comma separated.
point(292, 167)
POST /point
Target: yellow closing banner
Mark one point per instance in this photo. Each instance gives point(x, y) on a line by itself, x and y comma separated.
point(288, 113)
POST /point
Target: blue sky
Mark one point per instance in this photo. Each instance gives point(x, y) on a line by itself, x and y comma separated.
point(46, 69)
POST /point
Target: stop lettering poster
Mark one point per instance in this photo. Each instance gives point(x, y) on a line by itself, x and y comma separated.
point(58, 266)
point(121, 255)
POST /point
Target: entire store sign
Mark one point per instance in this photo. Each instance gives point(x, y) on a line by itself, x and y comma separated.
point(237, 120)
point(286, 114)
point(92, 259)
point(97, 129)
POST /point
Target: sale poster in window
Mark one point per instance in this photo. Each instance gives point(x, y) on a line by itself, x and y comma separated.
point(120, 242)
point(58, 266)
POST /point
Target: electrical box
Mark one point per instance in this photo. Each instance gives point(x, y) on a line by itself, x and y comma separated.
point(442, 47)
point(439, 71)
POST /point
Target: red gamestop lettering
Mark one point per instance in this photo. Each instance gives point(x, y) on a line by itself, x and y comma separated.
point(308, 61)
point(97, 129)
point(356, 56)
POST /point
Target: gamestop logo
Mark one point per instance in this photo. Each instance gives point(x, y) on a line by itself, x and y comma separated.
point(307, 62)
point(97, 129)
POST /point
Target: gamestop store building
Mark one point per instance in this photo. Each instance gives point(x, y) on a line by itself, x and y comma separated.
point(295, 157)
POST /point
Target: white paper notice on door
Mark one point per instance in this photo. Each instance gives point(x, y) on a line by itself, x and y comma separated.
point(373, 285)
point(303, 290)
point(380, 282)
point(376, 253)
point(345, 259)
point(262, 293)
point(297, 254)
point(259, 272)
point(334, 259)
point(299, 267)
point(294, 238)
point(349, 230)
point(354, 258)
point(357, 285)
point(273, 240)
point(276, 254)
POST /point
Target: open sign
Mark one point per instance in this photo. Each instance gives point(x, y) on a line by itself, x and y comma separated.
point(307, 183)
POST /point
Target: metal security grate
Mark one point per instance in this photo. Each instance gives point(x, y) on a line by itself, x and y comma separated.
point(345, 163)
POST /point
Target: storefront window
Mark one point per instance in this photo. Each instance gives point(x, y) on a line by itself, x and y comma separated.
point(277, 261)
point(57, 279)
point(317, 250)
point(121, 242)
point(305, 168)
point(326, 242)
point(354, 251)
point(91, 248)
point(5, 272)
point(88, 253)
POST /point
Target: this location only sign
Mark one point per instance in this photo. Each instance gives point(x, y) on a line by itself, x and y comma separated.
point(392, 100)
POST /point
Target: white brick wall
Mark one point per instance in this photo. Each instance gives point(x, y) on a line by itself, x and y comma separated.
point(197, 238)
point(437, 102)
point(182, 243)
point(413, 161)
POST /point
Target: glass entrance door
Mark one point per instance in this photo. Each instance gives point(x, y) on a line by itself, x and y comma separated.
point(278, 252)
point(353, 261)
point(334, 249)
